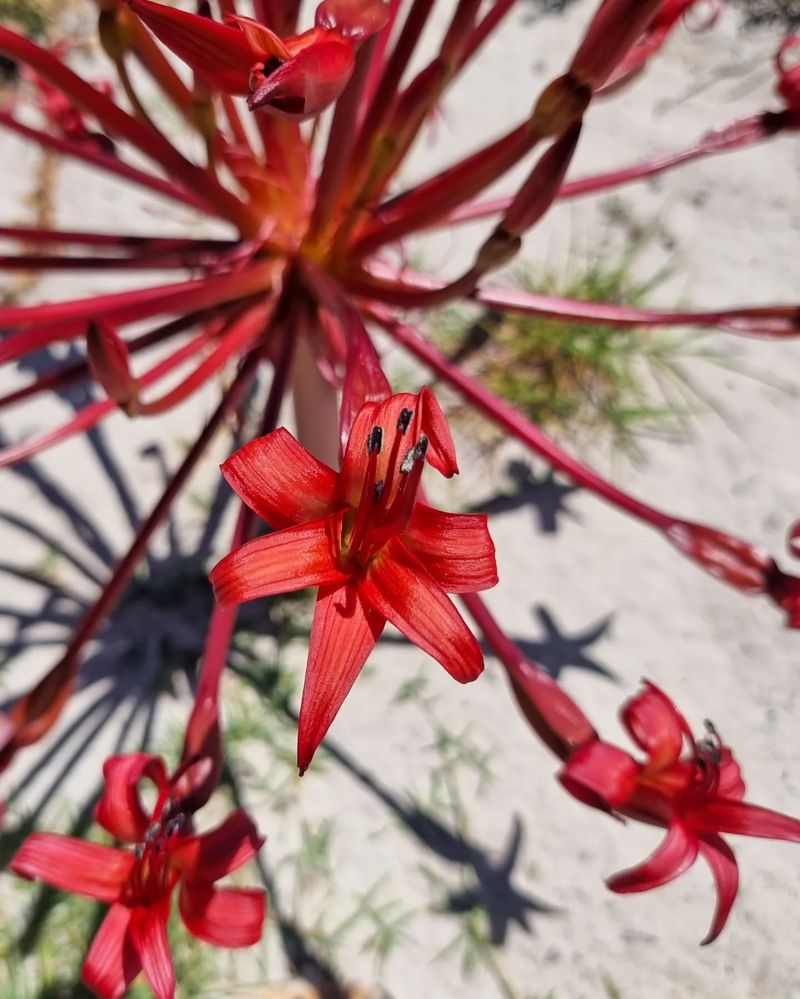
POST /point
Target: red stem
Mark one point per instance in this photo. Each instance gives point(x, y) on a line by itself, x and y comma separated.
point(119, 123)
point(89, 416)
point(67, 320)
point(234, 340)
point(73, 373)
point(737, 135)
point(38, 710)
point(105, 161)
point(770, 321)
point(118, 241)
point(554, 716)
point(507, 417)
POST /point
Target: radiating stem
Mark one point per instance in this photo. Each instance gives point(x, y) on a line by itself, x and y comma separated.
point(554, 716)
point(34, 713)
point(516, 424)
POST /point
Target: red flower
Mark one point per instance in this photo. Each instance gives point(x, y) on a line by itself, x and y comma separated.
point(297, 76)
point(695, 795)
point(359, 536)
point(138, 884)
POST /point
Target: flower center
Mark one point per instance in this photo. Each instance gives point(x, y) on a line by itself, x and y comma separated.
point(154, 875)
point(386, 503)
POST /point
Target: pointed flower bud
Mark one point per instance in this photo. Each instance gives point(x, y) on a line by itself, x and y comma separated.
point(110, 364)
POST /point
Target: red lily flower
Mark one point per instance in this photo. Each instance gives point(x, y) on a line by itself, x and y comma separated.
point(359, 536)
point(297, 76)
point(695, 795)
point(138, 884)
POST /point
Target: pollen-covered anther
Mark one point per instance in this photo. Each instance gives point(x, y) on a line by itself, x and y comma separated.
point(413, 455)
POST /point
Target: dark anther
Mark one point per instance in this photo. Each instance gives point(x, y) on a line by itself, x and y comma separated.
point(138, 851)
point(404, 419)
point(378, 488)
point(422, 447)
point(375, 440)
point(270, 65)
point(152, 832)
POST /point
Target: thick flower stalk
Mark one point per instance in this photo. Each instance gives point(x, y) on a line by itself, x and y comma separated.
point(138, 884)
point(691, 787)
point(360, 535)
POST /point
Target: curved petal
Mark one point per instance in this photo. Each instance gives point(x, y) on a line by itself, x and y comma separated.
point(216, 853)
point(676, 854)
point(120, 809)
point(600, 775)
point(731, 783)
point(281, 481)
point(397, 586)
point(148, 930)
point(73, 865)
point(220, 54)
point(112, 962)
point(728, 816)
point(442, 451)
point(656, 726)
point(455, 548)
point(224, 917)
point(308, 82)
point(279, 563)
point(720, 858)
point(343, 634)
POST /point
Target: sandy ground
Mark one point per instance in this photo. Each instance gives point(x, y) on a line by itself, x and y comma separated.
point(623, 605)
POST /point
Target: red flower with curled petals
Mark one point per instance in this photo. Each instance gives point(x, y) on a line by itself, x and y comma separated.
point(693, 788)
point(361, 537)
point(138, 884)
point(298, 76)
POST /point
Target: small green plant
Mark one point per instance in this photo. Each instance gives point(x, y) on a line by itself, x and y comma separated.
point(581, 379)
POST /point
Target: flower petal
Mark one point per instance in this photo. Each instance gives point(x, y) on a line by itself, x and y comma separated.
point(656, 726)
point(149, 935)
point(120, 809)
point(218, 53)
point(676, 853)
point(218, 852)
point(308, 82)
point(600, 775)
point(112, 962)
point(720, 858)
point(442, 451)
point(455, 548)
point(343, 634)
point(281, 481)
point(224, 917)
point(727, 816)
point(398, 588)
point(73, 865)
point(279, 563)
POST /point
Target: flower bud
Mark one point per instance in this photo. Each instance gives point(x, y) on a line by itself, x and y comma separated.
point(108, 360)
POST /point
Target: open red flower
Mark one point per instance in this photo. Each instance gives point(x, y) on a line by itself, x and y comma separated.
point(138, 884)
point(375, 553)
point(693, 788)
point(297, 76)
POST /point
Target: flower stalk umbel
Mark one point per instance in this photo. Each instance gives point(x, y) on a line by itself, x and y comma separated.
point(313, 263)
